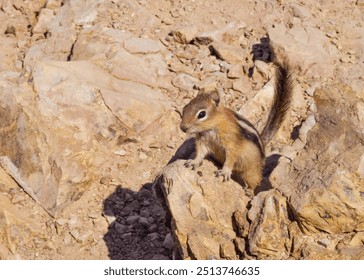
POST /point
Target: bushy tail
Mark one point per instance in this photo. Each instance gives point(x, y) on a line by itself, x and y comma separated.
point(281, 103)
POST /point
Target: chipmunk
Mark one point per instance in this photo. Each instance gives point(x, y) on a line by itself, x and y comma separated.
point(230, 138)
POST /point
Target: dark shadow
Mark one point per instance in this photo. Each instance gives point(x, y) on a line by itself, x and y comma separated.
point(271, 162)
point(138, 225)
point(296, 132)
point(185, 151)
point(261, 51)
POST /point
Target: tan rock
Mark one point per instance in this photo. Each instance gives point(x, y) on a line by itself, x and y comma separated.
point(208, 84)
point(184, 82)
point(228, 53)
point(262, 69)
point(269, 228)
point(17, 228)
point(203, 228)
point(235, 72)
point(84, 12)
point(300, 11)
point(57, 126)
point(44, 19)
point(314, 59)
point(261, 101)
point(53, 4)
point(326, 208)
point(242, 223)
point(184, 34)
point(221, 35)
point(330, 197)
point(125, 98)
point(98, 46)
point(227, 251)
point(142, 46)
point(323, 246)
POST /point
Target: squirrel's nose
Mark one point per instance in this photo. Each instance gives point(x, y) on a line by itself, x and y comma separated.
point(183, 127)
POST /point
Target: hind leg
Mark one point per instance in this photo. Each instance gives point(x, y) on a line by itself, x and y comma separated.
point(253, 175)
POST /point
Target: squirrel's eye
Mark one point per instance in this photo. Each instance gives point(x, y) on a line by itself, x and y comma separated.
point(201, 115)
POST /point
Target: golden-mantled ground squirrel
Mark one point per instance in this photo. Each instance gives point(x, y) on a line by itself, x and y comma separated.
point(230, 138)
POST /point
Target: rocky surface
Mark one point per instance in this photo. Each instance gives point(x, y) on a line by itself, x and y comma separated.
point(91, 163)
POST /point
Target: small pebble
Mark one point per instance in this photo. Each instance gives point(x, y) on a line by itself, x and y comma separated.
point(110, 219)
point(144, 213)
point(132, 219)
point(168, 242)
point(152, 228)
point(142, 156)
point(144, 221)
point(61, 221)
point(17, 198)
point(121, 152)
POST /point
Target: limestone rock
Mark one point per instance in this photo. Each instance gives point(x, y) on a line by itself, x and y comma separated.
point(326, 208)
point(235, 72)
point(102, 48)
point(228, 252)
point(68, 93)
point(58, 46)
point(330, 197)
point(184, 34)
point(203, 228)
point(314, 59)
point(300, 11)
point(44, 19)
point(260, 102)
point(19, 230)
point(269, 228)
point(208, 84)
point(241, 222)
point(242, 85)
point(323, 246)
point(220, 35)
point(142, 46)
point(53, 4)
point(228, 53)
point(126, 99)
point(263, 69)
point(184, 82)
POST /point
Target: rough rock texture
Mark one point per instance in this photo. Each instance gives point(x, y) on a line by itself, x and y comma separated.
point(201, 228)
point(90, 100)
point(268, 233)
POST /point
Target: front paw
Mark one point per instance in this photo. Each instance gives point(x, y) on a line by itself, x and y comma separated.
point(225, 173)
point(193, 163)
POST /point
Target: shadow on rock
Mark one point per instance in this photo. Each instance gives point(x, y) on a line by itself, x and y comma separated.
point(263, 51)
point(185, 151)
point(271, 162)
point(137, 226)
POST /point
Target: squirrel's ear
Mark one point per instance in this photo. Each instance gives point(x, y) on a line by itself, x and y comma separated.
point(215, 96)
